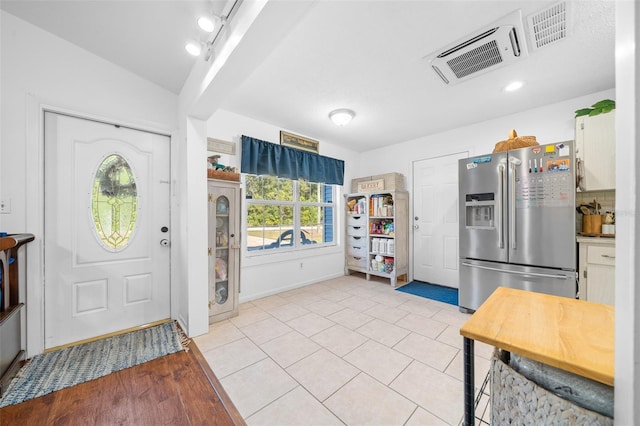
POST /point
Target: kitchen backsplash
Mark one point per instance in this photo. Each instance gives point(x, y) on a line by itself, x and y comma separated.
point(607, 199)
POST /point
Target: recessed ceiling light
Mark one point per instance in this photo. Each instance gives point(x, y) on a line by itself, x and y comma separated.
point(515, 85)
point(206, 24)
point(342, 116)
point(193, 48)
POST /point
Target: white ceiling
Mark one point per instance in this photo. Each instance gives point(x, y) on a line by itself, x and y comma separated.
point(358, 54)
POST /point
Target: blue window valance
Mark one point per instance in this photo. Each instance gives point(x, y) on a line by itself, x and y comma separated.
point(266, 158)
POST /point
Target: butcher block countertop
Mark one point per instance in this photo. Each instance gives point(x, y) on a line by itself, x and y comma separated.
point(573, 335)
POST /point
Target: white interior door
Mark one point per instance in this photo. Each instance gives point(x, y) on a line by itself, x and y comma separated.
point(435, 224)
point(106, 214)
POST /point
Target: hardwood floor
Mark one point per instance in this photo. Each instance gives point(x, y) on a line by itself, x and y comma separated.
point(177, 389)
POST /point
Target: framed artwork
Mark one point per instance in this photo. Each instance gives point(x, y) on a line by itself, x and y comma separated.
point(299, 142)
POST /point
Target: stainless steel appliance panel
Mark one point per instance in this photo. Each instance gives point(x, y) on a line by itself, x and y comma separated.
point(483, 195)
point(541, 206)
point(479, 279)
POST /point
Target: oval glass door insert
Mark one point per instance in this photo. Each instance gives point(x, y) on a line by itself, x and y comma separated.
point(114, 203)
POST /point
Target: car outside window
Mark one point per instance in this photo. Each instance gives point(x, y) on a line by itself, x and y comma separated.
point(278, 209)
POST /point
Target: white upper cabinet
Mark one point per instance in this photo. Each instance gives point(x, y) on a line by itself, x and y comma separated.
point(595, 147)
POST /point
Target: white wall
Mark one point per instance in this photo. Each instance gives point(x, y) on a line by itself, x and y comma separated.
point(270, 273)
point(552, 123)
point(555, 123)
point(37, 70)
point(257, 24)
point(262, 273)
point(627, 352)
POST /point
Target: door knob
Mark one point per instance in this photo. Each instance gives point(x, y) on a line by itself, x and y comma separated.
point(416, 226)
point(164, 243)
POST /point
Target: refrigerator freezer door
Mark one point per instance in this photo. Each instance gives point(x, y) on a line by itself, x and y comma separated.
point(482, 183)
point(479, 279)
point(542, 218)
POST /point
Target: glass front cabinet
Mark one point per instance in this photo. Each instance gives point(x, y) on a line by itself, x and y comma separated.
point(224, 249)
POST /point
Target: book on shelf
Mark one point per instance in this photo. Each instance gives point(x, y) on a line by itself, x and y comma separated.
point(381, 205)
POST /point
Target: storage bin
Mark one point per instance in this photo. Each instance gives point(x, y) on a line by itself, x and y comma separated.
point(391, 247)
point(518, 400)
point(375, 245)
point(359, 251)
point(357, 261)
point(357, 231)
point(392, 181)
point(382, 246)
point(356, 220)
point(388, 265)
point(356, 241)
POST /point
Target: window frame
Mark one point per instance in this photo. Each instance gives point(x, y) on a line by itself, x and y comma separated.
point(296, 204)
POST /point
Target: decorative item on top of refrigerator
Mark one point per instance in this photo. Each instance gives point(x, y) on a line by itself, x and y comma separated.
point(517, 212)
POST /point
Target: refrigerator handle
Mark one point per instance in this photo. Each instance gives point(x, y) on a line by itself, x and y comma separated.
point(513, 167)
point(507, 271)
point(500, 207)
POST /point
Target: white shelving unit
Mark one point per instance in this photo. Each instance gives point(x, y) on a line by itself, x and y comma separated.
point(377, 234)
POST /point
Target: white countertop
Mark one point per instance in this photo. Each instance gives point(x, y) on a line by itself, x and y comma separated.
point(596, 240)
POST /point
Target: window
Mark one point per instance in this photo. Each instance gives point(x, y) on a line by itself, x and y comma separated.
point(278, 209)
point(114, 203)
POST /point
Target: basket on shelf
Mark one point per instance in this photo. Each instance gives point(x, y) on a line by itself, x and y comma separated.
point(220, 174)
point(515, 142)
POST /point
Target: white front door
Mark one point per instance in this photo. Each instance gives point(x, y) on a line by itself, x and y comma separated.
point(435, 221)
point(106, 213)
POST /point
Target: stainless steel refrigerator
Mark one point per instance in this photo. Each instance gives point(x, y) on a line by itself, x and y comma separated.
point(517, 222)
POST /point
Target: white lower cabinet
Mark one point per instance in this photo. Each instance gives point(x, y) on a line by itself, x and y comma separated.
point(597, 261)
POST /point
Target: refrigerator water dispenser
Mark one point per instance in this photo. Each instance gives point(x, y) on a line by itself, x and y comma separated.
point(480, 209)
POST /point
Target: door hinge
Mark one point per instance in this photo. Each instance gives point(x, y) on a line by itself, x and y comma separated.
point(585, 273)
point(209, 251)
point(210, 197)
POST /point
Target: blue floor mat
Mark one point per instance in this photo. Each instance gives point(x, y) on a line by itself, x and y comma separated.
point(431, 291)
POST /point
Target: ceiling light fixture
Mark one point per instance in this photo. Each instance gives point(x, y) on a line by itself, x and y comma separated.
point(515, 85)
point(213, 25)
point(193, 47)
point(207, 24)
point(342, 116)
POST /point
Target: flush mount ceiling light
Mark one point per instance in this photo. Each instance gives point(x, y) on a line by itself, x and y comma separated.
point(342, 116)
point(193, 47)
point(513, 86)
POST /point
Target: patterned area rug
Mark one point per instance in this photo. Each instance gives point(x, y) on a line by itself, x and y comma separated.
point(432, 291)
point(60, 369)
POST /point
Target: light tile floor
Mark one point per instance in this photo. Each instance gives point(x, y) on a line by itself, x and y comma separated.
point(345, 351)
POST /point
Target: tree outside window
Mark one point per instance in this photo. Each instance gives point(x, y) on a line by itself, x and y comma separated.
point(279, 209)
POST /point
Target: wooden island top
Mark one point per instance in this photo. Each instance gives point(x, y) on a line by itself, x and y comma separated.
point(573, 335)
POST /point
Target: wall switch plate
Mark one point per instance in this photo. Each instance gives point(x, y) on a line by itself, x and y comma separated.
point(5, 206)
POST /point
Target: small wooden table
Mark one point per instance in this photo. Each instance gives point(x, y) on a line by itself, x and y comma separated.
point(573, 335)
point(12, 350)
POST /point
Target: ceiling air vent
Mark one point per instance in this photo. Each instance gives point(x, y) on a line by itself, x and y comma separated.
point(549, 26)
point(497, 45)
